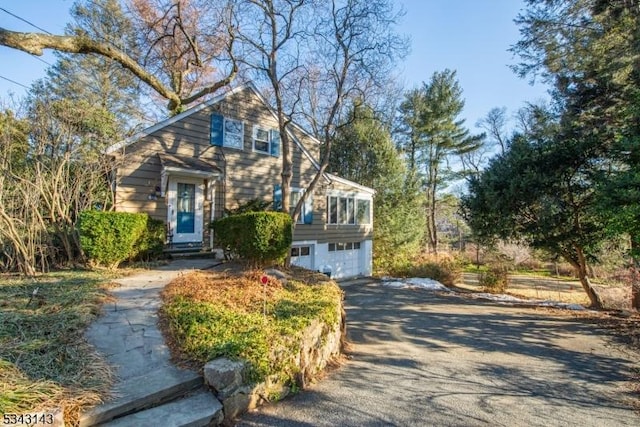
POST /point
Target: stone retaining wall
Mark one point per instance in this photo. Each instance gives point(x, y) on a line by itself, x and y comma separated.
point(319, 344)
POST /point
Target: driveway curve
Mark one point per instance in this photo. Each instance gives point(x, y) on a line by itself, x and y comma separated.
point(421, 358)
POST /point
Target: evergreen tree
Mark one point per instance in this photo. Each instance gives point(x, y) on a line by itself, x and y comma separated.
point(433, 134)
point(541, 191)
point(365, 153)
point(588, 50)
point(95, 79)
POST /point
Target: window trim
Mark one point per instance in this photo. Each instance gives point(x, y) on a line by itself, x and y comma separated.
point(254, 138)
point(299, 250)
point(344, 246)
point(346, 209)
point(368, 220)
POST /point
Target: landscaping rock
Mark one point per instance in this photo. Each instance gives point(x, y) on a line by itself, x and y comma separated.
point(318, 345)
point(276, 273)
point(225, 376)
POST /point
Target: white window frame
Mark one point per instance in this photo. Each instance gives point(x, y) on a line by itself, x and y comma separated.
point(368, 219)
point(343, 246)
point(347, 213)
point(226, 134)
point(292, 205)
point(257, 129)
point(299, 250)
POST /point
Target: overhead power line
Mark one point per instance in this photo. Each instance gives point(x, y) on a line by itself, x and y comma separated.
point(13, 81)
point(34, 26)
point(24, 20)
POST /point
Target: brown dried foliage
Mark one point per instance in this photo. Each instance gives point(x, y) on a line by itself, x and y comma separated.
point(242, 292)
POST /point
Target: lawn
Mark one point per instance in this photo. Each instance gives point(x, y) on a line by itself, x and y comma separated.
point(45, 362)
point(209, 315)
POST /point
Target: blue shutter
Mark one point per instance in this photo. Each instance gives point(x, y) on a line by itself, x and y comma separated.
point(308, 209)
point(277, 197)
point(217, 129)
point(275, 143)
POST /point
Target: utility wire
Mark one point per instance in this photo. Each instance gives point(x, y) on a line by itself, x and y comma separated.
point(13, 81)
point(24, 20)
point(34, 26)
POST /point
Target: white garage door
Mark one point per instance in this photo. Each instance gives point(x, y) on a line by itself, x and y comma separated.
point(345, 259)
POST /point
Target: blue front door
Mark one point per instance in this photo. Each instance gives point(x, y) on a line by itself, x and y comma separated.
point(186, 211)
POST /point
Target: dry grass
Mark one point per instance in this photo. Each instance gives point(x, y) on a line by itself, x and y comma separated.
point(535, 287)
point(244, 293)
point(45, 362)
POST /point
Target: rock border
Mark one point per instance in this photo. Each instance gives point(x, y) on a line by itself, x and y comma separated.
point(227, 379)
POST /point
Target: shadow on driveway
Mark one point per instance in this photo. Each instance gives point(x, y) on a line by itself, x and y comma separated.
point(420, 358)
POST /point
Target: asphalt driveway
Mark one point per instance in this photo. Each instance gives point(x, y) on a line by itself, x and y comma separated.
point(419, 358)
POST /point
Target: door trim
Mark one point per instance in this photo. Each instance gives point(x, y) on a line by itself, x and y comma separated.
point(172, 198)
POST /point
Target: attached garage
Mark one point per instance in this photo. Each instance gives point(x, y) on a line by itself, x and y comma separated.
point(346, 259)
point(340, 260)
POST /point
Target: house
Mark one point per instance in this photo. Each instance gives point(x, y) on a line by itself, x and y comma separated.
point(225, 152)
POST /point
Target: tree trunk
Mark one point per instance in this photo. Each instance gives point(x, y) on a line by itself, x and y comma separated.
point(580, 264)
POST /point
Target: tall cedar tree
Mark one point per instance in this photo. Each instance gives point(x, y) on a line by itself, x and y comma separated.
point(541, 191)
point(588, 50)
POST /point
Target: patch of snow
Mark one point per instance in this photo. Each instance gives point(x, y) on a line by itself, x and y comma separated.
point(414, 282)
point(434, 285)
point(565, 305)
point(499, 297)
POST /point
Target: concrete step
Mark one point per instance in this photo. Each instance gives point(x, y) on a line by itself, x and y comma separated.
point(143, 392)
point(199, 409)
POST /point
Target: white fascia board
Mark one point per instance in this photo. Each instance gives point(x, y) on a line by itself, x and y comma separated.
point(344, 181)
point(190, 172)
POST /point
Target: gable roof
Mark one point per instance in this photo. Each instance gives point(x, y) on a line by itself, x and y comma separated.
point(216, 99)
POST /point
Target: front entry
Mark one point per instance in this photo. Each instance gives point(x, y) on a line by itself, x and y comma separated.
point(186, 209)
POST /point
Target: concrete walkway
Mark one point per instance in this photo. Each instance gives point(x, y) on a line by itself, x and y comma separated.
point(127, 333)
point(419, 358)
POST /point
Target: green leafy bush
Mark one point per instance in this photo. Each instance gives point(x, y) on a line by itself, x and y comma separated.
point(108, 238)
point(258, 237)
point(151, 243)
point(495, 279)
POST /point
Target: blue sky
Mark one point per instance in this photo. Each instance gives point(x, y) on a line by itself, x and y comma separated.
point(470, 36)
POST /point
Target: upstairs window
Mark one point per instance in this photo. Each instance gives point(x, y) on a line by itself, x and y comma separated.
point(364, 211)
point(261, 140)
point(233, 133)
point(226, 132)
point(266, 141)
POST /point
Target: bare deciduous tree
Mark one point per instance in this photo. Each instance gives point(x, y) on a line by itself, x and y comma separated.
point(315, 55)
point(179, 42)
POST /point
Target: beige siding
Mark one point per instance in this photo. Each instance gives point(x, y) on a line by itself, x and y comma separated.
point(248, 175)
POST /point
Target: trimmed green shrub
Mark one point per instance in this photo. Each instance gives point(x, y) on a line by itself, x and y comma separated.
point(258, 237)
point(108, 238)
point(151, 243)
point(495, 280)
